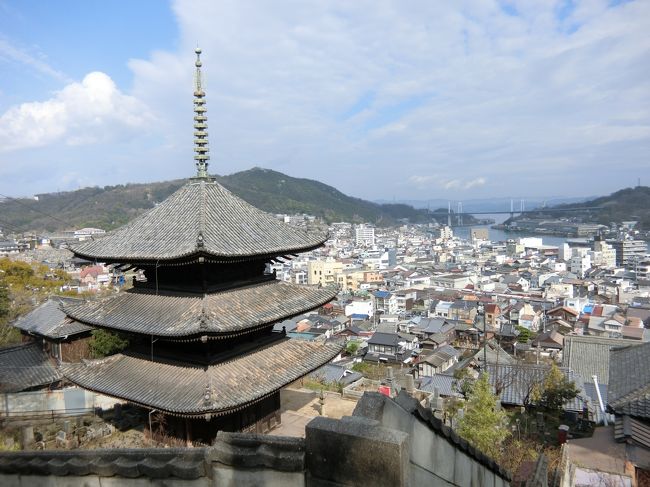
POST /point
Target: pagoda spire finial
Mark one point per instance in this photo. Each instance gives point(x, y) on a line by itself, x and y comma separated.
point(200, 122)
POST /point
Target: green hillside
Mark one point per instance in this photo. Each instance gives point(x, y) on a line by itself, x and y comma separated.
point(112, 206)
point(275, 192)
point(624, 205)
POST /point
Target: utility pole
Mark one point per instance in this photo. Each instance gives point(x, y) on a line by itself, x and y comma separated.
point(481, 312)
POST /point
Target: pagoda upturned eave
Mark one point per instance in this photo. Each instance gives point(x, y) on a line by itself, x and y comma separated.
point(202, 219)
point(199, 391)
point(185, 315)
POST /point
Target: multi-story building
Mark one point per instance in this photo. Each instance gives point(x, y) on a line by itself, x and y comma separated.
point(323, 272)
point(349, 279)
point(451, 281)
point(405, 299)
point(580, 262)
point(364, 235)
point(385, 302)
point(86, 233)
point(643, 269)
point(446, 233)
point(628, 251)
point(603, 255)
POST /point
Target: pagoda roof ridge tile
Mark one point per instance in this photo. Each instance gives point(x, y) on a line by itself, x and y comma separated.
point(201, 218)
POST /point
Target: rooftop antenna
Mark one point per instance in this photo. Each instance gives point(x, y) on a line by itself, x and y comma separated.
point(200, 122)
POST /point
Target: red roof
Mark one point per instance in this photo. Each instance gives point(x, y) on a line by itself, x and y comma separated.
point(93, 271)
point(563, 308)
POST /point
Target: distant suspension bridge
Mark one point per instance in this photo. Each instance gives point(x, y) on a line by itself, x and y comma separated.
point(458, 215)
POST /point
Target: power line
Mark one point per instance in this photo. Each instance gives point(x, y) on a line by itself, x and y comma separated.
point(34, 209)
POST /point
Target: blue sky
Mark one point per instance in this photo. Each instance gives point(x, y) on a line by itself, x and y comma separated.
point(380, 98)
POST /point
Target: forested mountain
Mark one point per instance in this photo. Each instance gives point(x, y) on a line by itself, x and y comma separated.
point(624, 205)
point(112, 206)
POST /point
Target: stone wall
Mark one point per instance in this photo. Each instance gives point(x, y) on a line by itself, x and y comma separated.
point(386, 442)
point(70, 401)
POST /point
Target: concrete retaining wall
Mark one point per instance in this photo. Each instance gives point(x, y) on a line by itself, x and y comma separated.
point(350, 393)
point(63, 402)
point(385, 443)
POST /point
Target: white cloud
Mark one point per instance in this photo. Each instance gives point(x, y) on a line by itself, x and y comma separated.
point(421, 180)
point(81, 113)
point(383, 98)
point(474, 183)
point(453, 184)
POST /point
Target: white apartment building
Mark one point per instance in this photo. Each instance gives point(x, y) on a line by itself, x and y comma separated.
point(376, 260)
point(643, 269)
point(446, 233)
point(603, 255)
point(565, 252)
point(300, 277)
point(364, 235)
point(86, 233)
point(580, 262)
point(451, 281)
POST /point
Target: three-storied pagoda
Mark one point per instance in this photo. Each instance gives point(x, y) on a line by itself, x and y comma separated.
point(202, 349)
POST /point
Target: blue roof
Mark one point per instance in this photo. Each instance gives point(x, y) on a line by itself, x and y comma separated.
point(381, 294)
point(588, 309)
point(359, 316)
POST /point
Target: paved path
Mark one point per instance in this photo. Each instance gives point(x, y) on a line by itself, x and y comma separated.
point(300, 406)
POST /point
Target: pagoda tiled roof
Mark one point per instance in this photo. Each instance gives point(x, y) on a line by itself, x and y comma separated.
point(183, 314)
point(180, 389)
point(202, 218)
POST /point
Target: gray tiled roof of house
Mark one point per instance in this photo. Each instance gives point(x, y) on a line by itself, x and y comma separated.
point(50, 321)
point(629, 381)
point(178, 388)
point(334, 373)
point(379, 338)
point(494, 354)
point(431, 325)
point(202, 217)
point(177, 314)
point(441, 355)
point(446, 385)
point(589, 355)
point(24, 367)
point(517, 379)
